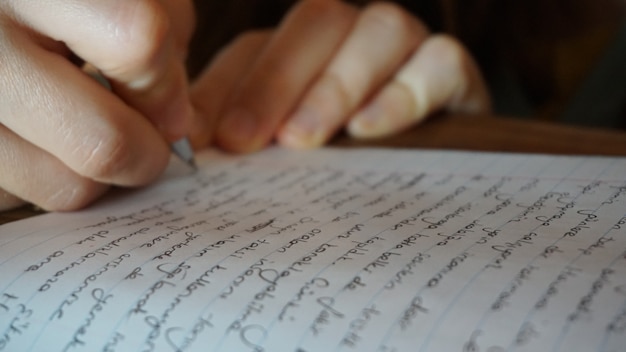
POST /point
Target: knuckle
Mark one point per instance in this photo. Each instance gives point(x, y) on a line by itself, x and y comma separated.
point(469, 93)
point(390, 17)
point(449, 43)
point(448, 50)
point(103, 158)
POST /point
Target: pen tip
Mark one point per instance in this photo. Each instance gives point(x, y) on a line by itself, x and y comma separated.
point(182, 149)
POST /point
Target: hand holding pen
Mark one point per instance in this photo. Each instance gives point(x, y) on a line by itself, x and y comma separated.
point(63, 137)
point(372, 70)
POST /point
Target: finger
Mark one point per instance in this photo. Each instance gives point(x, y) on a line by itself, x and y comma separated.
point(40, 178)
point(215, 84)
point(183, 23)
point(130, 42)
point(301, 47)
point(51, 103)
point(441, 75)
point(365, 61)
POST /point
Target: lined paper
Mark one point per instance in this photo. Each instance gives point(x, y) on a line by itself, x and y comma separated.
point(331, 250)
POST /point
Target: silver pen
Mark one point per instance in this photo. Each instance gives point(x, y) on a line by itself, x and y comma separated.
point(181, 148)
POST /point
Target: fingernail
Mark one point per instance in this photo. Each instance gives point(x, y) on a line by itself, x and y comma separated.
point(238, 128)
point(367, 122)
point(304, 129)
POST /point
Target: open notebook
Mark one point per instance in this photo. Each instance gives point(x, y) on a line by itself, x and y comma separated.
point(331, 250)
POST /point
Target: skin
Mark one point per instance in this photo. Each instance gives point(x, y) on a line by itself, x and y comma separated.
point(64, 138)
point(327, 66)
point(318, 72)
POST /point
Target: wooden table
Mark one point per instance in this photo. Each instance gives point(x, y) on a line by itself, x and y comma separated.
point(489, 133)
point(486, 133)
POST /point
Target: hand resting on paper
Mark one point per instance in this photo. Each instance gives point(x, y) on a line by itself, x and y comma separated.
point(374, 70)
point(63, 137)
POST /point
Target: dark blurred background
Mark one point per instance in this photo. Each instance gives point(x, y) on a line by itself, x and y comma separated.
point(561, 60)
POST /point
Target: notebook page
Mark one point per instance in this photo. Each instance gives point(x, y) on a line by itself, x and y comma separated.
point(331, 250)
